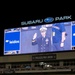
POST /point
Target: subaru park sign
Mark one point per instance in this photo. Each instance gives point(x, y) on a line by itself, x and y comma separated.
point(46, 20)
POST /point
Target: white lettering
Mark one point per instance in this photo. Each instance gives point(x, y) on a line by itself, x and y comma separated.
point(42, 20)
point(56, 18)
point(63, 18)
point(39, 21)
point(23, 23)
point(13, 42)
point(32, 22)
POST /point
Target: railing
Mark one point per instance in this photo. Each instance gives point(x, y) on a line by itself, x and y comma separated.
point(24, 70)
point(39, 71)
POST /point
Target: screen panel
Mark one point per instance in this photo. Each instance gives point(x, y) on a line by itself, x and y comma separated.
point(40, 38)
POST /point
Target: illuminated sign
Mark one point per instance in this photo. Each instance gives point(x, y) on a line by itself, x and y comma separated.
point(46, 20)
point(12, 42)
point(44, 57)
point(49, 19)
point(63, 18)
point(32, 22)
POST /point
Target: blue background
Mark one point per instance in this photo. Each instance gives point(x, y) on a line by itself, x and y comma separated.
point(11, 36)
point(73, 37)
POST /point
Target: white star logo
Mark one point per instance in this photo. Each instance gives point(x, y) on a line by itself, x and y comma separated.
point(73, 34)
point(7, 40)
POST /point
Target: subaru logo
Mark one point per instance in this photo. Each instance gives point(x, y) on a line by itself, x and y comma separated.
point(49, 19)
